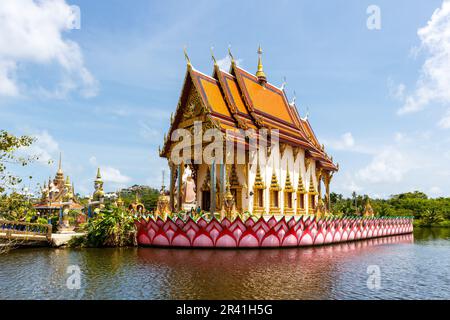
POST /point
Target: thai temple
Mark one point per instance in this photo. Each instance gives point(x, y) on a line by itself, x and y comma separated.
point(58, 193)
point(292, 181)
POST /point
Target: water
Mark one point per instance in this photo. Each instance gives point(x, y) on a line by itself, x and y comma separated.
point(410, 268)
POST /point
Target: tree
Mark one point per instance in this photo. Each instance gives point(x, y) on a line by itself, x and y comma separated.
point(9, 145)
point(431, 217)
point(13, 206)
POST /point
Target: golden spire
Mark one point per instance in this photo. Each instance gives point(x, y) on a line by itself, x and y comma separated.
point(59, 164)
point(260, 73)
point(68, 184)
point(99, 176)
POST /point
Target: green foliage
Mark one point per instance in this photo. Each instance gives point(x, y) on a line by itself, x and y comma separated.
point(9, 144)
point(426, 211)
point(431, 217)
point(146, 195)
point(113, 227)
point(15, 206)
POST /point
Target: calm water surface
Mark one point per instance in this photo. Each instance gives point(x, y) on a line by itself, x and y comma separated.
point(411, 267)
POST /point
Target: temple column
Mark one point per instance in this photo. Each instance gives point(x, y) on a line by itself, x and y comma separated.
point(172, 186)
point(180, 186)
point(222, 183)
point(327, 186)
point(213, 188)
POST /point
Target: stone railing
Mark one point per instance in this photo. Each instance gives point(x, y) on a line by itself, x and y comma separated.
point(25, 230)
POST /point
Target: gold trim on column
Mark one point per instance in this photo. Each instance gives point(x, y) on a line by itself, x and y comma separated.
point(301, 191)
point(288, 193)
point(312, 192)
point(274, 195)
point(236, 187)
point(258, 185)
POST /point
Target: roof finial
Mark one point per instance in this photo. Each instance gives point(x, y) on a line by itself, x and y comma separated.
point(294, 99)
point(260, 72)
point(59, 164)
point(99, 176)
point(212, 56)
point(187, 58)
point(283, 85)
point(307, 113)
point(231, 55)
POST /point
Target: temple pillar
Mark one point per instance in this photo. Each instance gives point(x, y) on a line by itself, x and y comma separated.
point(213, 188)
point(180, 172)
point(327, 186)
point(172, 186)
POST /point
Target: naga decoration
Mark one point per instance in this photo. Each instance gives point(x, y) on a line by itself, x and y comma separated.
point(261, 233)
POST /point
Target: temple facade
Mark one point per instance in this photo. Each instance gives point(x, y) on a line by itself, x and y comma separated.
point(290, 178)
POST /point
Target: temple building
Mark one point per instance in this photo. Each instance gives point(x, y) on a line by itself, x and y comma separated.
point(58, 194)
point(294, 179)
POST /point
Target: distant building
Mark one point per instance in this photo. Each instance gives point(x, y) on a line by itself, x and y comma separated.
point(58, 194)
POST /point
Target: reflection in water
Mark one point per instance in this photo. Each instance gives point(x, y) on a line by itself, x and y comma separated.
point(300, 273)
point(408, 269)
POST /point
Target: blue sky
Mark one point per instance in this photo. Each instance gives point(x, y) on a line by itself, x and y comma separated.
point(102, 94)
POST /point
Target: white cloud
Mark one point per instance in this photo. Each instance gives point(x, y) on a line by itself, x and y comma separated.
point(345, 142)
point(399, 137)
point(435, 191)
point(433, 84)
point(389, 165)
point(93, 160)
point(32, 32)
point(444, 123)
point(109, 174)
point(114, 175)
point(45, 147)
point(225, 63)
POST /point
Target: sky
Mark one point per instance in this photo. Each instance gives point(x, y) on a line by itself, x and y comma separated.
point(100, 89)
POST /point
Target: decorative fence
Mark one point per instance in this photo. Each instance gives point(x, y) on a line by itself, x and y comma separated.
point(293, 232)
point(25, 231)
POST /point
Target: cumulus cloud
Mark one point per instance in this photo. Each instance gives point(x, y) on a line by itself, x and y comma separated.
point(435, 191)
point(345, 142)
point(114, 175)
point(388, 165)
point(32, 31)
point(433, 84)
point(225, 63)
point(110, 174)
point(45, 147)
point(444, 123)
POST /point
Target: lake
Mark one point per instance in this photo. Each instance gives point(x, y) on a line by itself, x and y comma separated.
point(400, 267)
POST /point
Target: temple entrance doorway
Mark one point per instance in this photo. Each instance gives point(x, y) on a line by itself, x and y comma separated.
point(206, 200)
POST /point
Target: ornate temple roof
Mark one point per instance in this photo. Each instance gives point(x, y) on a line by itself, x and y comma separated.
point(58, 191)
point(240, 100)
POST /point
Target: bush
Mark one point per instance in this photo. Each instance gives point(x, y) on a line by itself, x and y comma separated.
point(110, 228)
